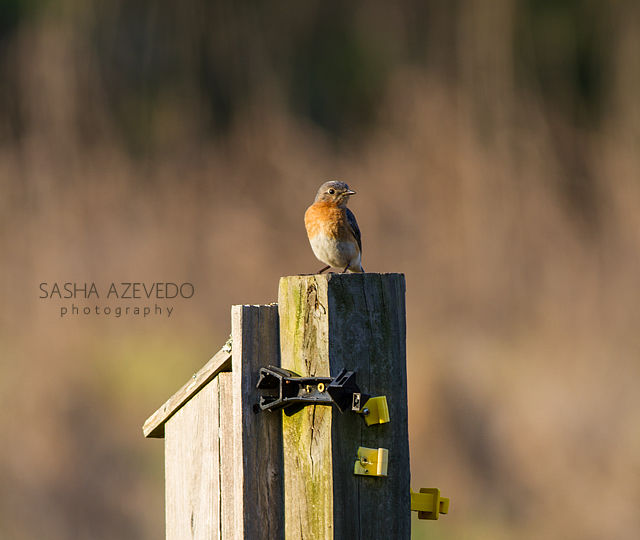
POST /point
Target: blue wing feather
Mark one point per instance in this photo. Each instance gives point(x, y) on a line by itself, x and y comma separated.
point(355, 230)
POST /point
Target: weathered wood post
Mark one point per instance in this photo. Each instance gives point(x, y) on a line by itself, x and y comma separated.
point(257, 461)
point(327, 323)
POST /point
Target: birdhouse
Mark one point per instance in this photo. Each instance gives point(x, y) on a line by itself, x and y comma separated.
point(297, 427)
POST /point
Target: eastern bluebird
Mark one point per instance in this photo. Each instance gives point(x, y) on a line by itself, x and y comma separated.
point(332, 228)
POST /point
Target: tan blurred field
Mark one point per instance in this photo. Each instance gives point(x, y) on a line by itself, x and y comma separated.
point(517, 227)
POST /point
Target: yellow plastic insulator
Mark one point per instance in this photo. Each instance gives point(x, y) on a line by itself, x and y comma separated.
point(376, 411)
point(372, 461)
point(429, 504)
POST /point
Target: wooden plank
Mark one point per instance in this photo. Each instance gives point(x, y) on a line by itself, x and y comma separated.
point(306, 435)
point(221, 361)
point(227, 467)
point(353, 321)
point(192, 468)
point(258, 488)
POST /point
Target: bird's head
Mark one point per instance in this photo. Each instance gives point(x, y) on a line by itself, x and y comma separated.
point(334, 192)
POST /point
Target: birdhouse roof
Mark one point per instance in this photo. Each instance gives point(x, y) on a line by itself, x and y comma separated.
point(221, 361)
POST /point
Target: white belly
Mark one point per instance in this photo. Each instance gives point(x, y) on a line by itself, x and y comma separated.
point(337, 254)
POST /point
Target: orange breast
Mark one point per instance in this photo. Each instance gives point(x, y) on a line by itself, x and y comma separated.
point(326, 218)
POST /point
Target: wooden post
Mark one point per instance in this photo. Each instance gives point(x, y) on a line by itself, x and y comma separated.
point(257, 463)
point(327, 323)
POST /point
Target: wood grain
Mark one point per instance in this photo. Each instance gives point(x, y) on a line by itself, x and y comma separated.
point(307, 434)
point(227, 469)
point(192, 464)
point(353, 321)
point(258, 486)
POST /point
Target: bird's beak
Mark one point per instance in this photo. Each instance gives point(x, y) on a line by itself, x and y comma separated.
point(350, 192)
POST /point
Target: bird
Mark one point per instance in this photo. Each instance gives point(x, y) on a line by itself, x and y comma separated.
point(332, 228)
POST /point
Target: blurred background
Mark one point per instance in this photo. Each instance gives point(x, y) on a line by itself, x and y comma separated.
point(495, 149)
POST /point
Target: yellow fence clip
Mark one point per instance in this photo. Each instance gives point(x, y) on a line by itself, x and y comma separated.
point(376, 411)
point(372, 461)
point(428, 503)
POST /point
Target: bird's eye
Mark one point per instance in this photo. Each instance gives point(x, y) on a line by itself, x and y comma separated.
point(332, 191)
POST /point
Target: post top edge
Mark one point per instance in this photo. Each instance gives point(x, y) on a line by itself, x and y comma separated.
point(334, 275)
point(240, 306)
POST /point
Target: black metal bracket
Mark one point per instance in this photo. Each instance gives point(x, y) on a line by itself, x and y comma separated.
point(285, 389)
